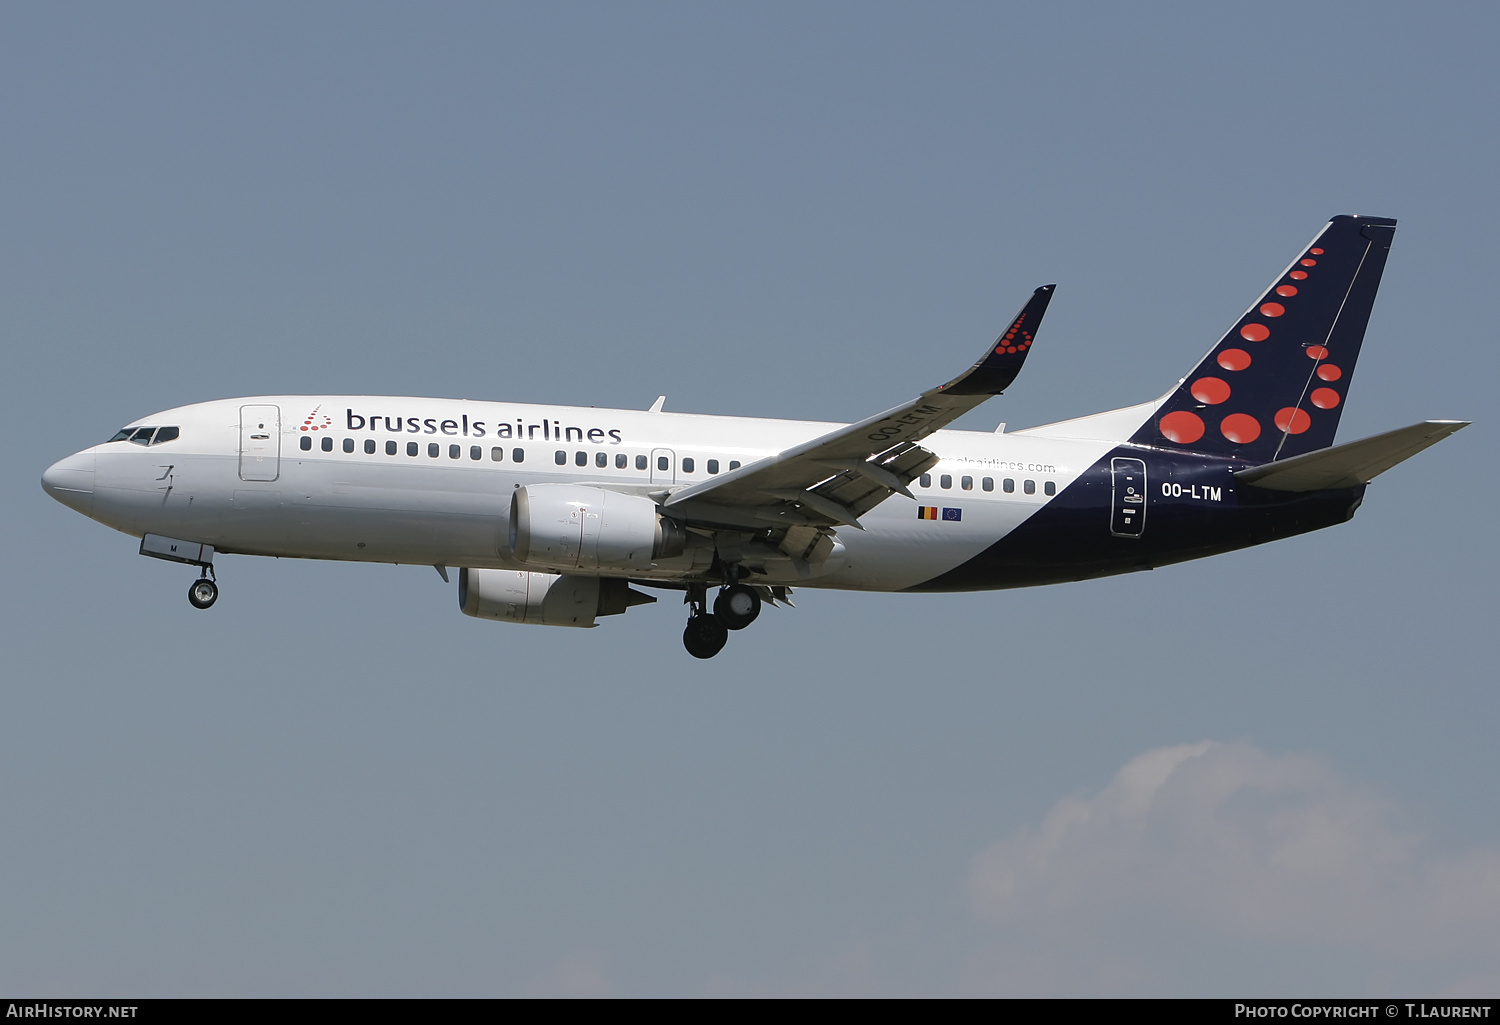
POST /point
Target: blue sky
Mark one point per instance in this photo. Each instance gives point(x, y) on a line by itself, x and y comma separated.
point(1269, 772)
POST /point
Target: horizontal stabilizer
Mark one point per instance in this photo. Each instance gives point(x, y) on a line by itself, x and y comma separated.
point(1348, 466)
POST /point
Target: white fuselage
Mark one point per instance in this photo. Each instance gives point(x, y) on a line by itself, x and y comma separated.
point(436, 488)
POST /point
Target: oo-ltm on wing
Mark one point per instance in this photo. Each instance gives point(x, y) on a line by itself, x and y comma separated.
point(833, 480)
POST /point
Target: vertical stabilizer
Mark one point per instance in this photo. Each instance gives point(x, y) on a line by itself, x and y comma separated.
point(1274, 386)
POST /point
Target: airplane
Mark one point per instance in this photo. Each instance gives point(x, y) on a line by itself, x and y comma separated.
point(557, 515)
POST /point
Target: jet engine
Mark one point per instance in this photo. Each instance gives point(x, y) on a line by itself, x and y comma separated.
point(549, 599)
point(574, 527)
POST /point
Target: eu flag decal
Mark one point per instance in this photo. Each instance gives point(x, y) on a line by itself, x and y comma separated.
point(927, 512)
point(953, 514)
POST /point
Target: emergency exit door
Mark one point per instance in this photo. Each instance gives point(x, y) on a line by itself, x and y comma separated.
point(663, 466)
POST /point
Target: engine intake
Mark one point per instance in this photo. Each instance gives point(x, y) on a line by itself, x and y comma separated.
point(548, 599)
point(574, 527)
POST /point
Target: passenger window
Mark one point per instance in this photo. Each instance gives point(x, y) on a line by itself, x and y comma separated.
point(164, 434)
point(327, 443)
point(518, 455)
point(734, 464)
point(411, 448)
point(390, 448)
point(620, 460)
point(370, 446)
point(455, 451)
point(640, 462)
point(988, 484)
point(967, 483)
point(1030, 487)
point(433, 450)
point(661, 462)
point(306, 443)
point(348, 444)
point(1050, 487)
point(561, 458)
point(713, 466)
point(601, 458)
point(1008, 486)
point(476, 453)
point(497, 454)
point(687, 465)
point(925, 480)
point(945, 481)
point(581, 458)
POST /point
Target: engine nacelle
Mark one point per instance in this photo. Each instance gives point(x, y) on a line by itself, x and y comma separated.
point(574, 527)
point(549, 599)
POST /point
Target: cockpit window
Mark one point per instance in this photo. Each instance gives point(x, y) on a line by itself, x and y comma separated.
point(146, 435)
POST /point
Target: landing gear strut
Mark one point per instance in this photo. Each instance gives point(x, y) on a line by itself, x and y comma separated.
point(204, 591)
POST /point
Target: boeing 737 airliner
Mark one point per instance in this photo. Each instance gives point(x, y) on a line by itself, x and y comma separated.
point(551, 513)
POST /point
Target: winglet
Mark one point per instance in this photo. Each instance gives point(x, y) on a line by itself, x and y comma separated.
point(998, 367)
point(661, 400)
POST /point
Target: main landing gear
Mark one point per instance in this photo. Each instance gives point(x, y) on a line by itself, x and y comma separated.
point(204, 591)
point(704, 636)
point(735, 608)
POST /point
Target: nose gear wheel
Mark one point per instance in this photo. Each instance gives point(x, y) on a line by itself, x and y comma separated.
point(203, 593)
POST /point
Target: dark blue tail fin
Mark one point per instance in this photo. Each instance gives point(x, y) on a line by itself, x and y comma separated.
point(1274, 386)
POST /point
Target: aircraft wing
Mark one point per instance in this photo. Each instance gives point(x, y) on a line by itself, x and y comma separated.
point(835, 479)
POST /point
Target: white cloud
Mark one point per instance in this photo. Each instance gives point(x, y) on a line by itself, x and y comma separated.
point(1225, 843)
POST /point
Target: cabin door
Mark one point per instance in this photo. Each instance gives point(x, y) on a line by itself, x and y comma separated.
point(1127, 510)
point(260, 442)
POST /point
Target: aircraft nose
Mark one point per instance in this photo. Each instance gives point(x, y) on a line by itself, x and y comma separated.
point(71, 481)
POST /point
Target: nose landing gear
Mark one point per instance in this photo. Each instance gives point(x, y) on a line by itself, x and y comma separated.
point(204, 591)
